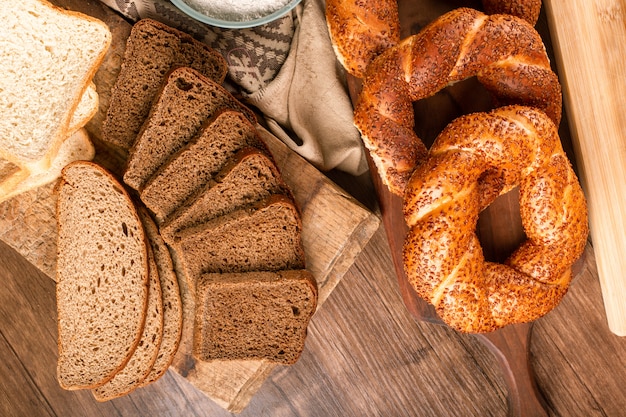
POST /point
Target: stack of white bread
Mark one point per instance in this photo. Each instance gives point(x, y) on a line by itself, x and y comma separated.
point(49, 57)
point(200, 196)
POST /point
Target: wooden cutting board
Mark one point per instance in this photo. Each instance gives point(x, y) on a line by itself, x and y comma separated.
point(499, 227)
point(335, 229)
point(590, 50)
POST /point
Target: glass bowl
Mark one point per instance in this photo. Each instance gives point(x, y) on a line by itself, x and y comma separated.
point(234, 23)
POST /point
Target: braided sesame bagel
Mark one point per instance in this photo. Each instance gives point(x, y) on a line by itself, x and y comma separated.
point(361, 30)
point(508, 147)
point(504, 52)
point(526, 9)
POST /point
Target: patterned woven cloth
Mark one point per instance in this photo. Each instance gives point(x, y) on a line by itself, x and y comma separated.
point(288, 70)
point(248, 68)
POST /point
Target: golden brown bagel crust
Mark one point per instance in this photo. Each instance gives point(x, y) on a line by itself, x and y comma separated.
point(505, 53)
point(526, 9)
point(361, 30)
point(519, 146)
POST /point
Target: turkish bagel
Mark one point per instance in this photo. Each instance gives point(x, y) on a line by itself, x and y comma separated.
point(512, 146)
point(504, 52)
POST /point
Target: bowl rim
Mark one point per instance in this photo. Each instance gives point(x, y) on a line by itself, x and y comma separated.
point(191, 12)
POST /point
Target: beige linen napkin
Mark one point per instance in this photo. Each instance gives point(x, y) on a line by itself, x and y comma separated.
point(306, 105)
point(288, 70)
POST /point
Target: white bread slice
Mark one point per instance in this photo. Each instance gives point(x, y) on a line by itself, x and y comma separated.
point(140, 364)
point(49, 56)
point(87, 108)
point(102, 276)
point(12, 175)
point(172, 302)
point(77, 147)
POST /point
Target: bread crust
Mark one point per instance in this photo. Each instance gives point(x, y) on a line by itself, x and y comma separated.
point(361, 30)
point(526, 9)
point(172, 301)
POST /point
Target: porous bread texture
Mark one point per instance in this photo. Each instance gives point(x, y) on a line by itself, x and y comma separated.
point(77, 147)
point(253, 315)
point(172, 302)
point(249, 177)
point(86, 109)
point(129, 378)
point(102, 276)
point(198, 161)
point(16, 179)
point(152, 50)
point(49, 56)
point(265, 237)
point(186, 101)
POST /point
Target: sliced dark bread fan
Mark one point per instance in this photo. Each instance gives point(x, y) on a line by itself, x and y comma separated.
point(186, 101)
point(249, 177)
point(198, 161)
point(265, 237)
point(152, 50)
point(253, 315)
point(102, 276)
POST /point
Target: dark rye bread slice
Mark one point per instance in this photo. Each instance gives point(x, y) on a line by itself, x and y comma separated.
point(102, 276)
point(198, 161)
point(186, 101)
point(129, 378)
point(253, 315)
point(249, 177)
point(265, 237)
point(152, 50)
point(172, 302)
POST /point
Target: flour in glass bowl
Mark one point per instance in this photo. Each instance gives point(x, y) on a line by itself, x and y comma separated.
point(236, 10)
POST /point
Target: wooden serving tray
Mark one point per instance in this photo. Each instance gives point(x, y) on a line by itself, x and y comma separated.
point(335, 229)
point(499, 227)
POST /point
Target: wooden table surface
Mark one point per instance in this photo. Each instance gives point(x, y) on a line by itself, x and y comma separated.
point(365, 355)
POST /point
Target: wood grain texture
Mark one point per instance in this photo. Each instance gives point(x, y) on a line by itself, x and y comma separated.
point(590, 45)
point(365, 354)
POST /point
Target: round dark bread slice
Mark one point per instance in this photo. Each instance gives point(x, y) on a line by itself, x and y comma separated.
point(171, 298)
point(249, 177)
point(140, 364)
point(264, 237)
point(258, 315)
point(152, 50)
point(102, 276)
